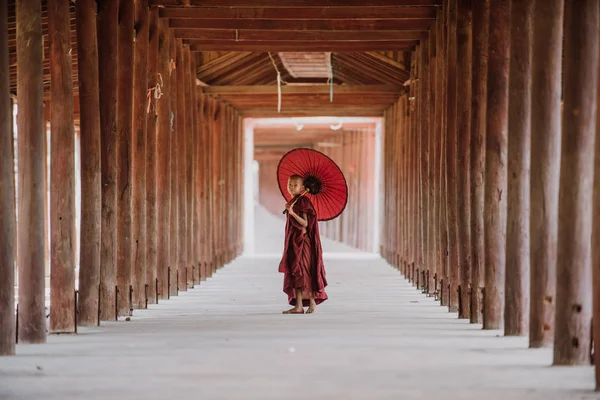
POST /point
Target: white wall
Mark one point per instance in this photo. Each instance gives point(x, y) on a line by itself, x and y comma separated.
point(248, 187)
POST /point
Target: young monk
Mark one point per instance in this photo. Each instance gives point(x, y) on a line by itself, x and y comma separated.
point(302, 262)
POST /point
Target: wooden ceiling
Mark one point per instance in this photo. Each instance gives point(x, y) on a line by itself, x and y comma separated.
point(237, 45)
point(244, 43)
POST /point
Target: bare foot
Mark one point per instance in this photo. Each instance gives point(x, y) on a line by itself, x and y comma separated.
point(312, 308)
point(294, 310)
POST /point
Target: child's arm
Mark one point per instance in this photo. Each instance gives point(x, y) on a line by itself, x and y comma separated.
point(301, 220)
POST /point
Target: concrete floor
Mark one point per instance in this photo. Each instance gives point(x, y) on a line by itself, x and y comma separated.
point(376, 338)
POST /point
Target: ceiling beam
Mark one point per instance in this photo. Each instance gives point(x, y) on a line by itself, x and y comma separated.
point(236, 35)
point(294, 13)
point(281, 46)
point(308, 89)
point(303, 24)
point(295, 3)
point(388, 60)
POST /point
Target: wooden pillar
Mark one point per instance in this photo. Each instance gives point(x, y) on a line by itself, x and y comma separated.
point(384, 245)
point(451, 162)
point(401, 134)
point(546, 89)
point(390, 191)
point(495, 164)
point(91, 186)
point(414, 184)
point(430, 132)
point(173, 175)
point(441, 174)
point(108, 17)
point(573, 289)
point(464, 93)
point(424, 93)
point(213, 136)
point(596, 250)
point(481, 20)
point(138, 153)
point(181, 167)
point(416, 165)
point(220, 127)
point(516, 314)
point(202, 174)
point(124, 158)
point(31, 158)
point(214, 155)
point(222, 179)
point(7, 198)
point(409, 154)
point(195, 170)
point(151, 158)
point(163, 161)
point(62, 180)
point(207, 183)
point(189, 140)
point(224, 127)
point(241, 163)
point(227, 179)
point(394, 170)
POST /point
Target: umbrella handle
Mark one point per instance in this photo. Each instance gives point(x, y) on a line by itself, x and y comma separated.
point(306, 191)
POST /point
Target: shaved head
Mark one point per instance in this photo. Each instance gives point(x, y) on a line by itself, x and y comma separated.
point(297, 178)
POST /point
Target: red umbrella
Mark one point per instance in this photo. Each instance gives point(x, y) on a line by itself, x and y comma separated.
point(323, 179)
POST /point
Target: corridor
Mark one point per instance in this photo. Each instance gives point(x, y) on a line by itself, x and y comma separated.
point(376, 338)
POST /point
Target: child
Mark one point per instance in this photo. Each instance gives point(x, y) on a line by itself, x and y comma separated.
point(302, 262)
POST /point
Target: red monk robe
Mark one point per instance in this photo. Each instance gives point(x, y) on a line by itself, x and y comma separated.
point(302, 261)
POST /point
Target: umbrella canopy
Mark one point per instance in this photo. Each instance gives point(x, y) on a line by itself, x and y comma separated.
point(327, 188)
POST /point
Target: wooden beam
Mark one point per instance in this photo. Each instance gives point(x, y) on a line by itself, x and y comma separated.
point(30, 119)
point(299, 46)
point(295, 3)
point(279, 36)
point(308, 102)
point(310, 89)
point(302, 24)
point(294, 13)
point(7, 200)
point(62, 172)
point(374, 71)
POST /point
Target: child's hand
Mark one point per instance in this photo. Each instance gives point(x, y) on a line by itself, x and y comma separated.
point(288, 207)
